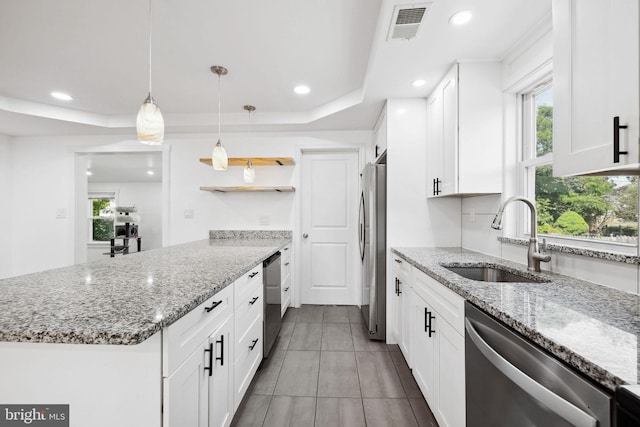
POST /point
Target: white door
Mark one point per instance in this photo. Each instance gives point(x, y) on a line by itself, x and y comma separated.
point(330, 252)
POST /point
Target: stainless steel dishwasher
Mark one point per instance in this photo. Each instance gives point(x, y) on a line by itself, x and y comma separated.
point(272, 302)
point(512, 382)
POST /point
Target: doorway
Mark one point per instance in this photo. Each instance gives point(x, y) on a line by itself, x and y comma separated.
point(329, 247)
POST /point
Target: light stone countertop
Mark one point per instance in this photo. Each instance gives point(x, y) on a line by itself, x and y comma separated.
point(127, 299)
point(593, 328)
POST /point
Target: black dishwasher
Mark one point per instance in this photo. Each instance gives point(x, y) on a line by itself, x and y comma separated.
point(272, 302)
point(628, 406)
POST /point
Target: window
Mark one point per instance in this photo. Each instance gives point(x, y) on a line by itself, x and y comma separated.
point(594, 208)
point(101, 208)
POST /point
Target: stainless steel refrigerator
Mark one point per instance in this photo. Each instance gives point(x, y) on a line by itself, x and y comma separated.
point(373, 242)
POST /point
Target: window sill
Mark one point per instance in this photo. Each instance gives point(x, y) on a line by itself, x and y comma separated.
point(573, 250)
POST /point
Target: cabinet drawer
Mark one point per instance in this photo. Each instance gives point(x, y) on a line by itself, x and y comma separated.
point(247, 283)
point(247, 312)
point(248, 361)
point(186, 334)
point(448, 304)
point(401, 265)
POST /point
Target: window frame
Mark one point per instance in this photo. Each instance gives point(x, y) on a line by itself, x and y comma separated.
point(98, 195)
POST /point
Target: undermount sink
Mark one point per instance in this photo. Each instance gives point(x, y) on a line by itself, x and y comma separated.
point(492, 274)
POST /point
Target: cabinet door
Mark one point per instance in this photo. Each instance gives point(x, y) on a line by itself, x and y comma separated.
point(596, 78)
point(424, 367)
point(396, 324)
point(185, 391)
point(450, 403)
point(435, 164)
point(450, 133)
point(221, 379)
point(407, 323)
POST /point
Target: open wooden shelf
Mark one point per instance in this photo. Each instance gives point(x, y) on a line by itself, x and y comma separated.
point(247, 188)
point(256, 161)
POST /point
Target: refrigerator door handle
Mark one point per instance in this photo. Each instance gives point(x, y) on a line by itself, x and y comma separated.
point(362, 214)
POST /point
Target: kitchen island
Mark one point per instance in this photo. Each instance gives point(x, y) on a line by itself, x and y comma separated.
point(90, 336)
point(593, 328)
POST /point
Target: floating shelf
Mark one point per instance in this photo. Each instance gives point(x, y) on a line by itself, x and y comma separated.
point(286, 189)
point(256, 161)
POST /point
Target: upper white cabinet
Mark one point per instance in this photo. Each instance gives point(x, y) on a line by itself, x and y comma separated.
point(596, 80)
point(380, 134)
point(464, 132)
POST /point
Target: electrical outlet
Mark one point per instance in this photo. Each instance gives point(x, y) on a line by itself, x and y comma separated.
point(61, 213)
point(264, 220)
point(188, 214)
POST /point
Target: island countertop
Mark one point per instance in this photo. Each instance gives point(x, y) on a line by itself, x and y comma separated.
point(594, 328)
point(124, 300)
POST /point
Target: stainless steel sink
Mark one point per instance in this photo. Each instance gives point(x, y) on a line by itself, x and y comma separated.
point(492, 274)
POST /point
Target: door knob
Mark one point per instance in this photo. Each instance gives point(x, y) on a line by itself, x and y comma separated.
point(305, 235)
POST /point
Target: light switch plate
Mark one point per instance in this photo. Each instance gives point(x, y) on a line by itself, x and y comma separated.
point(264, 220)
point(188, 214)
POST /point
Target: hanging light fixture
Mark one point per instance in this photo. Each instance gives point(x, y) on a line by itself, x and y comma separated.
point(249, 171)
point(149, 123)
point(219, 157)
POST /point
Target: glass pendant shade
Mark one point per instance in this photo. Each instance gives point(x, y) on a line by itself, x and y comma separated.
point(249, 172)
point(149, 123)
point(219, 158)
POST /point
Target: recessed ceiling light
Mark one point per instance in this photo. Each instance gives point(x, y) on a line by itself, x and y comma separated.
point(89, 173)
point(419, 83)
point(460, 18)
point(62, 96)
point(301, 90)
point(149, 172)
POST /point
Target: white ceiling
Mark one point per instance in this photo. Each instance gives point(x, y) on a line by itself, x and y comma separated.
point(97, 52)
point(124, 167)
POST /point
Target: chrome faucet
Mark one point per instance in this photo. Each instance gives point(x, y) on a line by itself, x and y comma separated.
point(534, 254)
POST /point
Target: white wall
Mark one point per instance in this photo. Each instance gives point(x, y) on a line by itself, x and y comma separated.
point(5, 205)
point(530, 60)
point(43, 181)
point(147, 197)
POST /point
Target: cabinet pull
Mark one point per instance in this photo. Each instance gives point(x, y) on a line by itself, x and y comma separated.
point(431, 331)
point(253, 301)
point(438, 182)
point(286, 249)
point(286, 289)
point(253, 344)
point(377, 148)
point(426, 321)
point(214, 305)
point(434, 187)
point(252, 275)
point(399, 289)
point(210, 351)
point(399, 261)
point(221, 358)
point(286, 263)
point(616, 139)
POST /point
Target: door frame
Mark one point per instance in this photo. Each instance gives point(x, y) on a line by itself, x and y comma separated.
point(297, 232)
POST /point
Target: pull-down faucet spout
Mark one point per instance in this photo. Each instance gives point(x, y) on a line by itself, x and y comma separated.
point(534, 254)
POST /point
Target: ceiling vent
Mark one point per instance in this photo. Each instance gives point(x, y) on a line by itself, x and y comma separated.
point(405, 24)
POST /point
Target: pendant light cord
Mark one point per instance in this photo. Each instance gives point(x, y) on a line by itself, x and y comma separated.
point(219, 110)
point(150, 47)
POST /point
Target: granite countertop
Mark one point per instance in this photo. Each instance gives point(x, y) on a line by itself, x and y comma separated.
point(127, 299)
point(593, 328)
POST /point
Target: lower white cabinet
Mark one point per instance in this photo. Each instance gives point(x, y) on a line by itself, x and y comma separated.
point(285, 275)
point(199, 393)
point(438, 349)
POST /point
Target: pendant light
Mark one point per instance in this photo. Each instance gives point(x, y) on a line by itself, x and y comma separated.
point(249, 171)
point(149, 123)
point(219, 157)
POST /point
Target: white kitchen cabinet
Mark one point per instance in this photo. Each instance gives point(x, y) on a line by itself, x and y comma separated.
point(596, 78)
point(285, 276)
point(380, 134)
point(402, 297)
point(464, 132)
point(197, 365)
point(248, 331)
point(438, 341)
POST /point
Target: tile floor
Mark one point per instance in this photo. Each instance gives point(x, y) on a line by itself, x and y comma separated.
point(324, 371)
